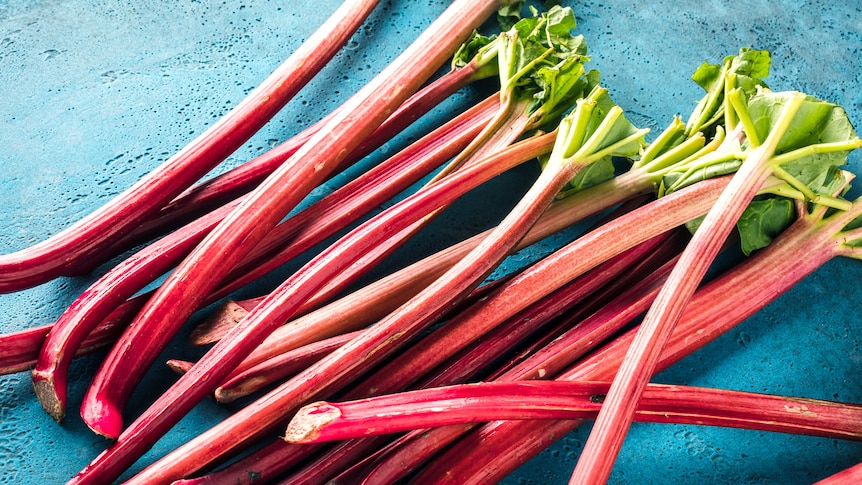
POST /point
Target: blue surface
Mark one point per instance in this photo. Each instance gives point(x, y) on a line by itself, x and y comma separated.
point(95, 94)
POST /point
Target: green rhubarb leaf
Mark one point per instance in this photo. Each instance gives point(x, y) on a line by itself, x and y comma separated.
point(750, 68)
point(763, 220)
point(766, 108)
point(609, 136)
point(475, 46)
point(745, 70)
point(561, 22)
point(559, 87)
point(802, 155)
point(509, 15)
point(708, 76)
point(540, 54)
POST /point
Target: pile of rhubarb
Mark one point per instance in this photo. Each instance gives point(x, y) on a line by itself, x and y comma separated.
point(339, 353)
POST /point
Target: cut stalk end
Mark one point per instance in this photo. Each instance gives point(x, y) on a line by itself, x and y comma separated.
point(305, 425)
point(179, 366)
point(230, 393)
point(49, 398)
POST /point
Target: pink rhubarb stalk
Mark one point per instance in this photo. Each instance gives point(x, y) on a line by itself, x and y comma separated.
point(491, 401)
point(422, 357)
point(239, 233)
point(364, 306)
point(614, 420)
point(228, 186)
point(545, 363)
point(20, 349)
point(46, 260)
point(511, 443)
point(848, 475)
point(266, 412)
point(287, 240)
point(573, 153)
point(278, 194)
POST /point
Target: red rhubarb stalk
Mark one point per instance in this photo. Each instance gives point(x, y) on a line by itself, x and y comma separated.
point(575, 149)
point(614, 420)
point(293, 293)
point(363, 306)
point(299, 233)
point(461, 367)
point(271, 407)
point(264, 465)
point(277, 368)
point(545, 363)
point(422, 357)
point(491, 401)
point(672, 150)
point(511, 443)
point(20, 349)
point(46, 260)
point(611, 135)
point(239, 233)
point(275, 405)
point(277, 194)
point(242, 179)
point(403, 456)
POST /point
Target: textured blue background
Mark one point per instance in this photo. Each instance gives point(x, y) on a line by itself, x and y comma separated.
point(95, 94)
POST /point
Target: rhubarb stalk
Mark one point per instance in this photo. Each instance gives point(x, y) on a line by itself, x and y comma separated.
point(823, 237)
point(776, 131)
point(46, 260)
point(290, 238)
point(565, 400)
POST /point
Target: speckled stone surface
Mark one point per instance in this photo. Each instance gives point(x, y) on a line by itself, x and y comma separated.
point(95, 94)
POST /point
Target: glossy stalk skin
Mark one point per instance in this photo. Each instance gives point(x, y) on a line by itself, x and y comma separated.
point(367, 454)
point(264, 465)
point(289, 362)
point(410, 318)
point(367, 110)
point(21, 349)
point(273, 370)
point(280, 367)
point(288, 239)
point(332, 461)
point(227, 244)
point(392, 376)
point(306, 282)
point(273, 407)
point(545, 363)
point(364, 306)
point(614, 420)
point(453, 286)
point(640, 276)
point(641, 258)
point(565, 400)
point(81, 241)
point(569, 262)
point(424, 356)
point(224, 188)
point(508, 444)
